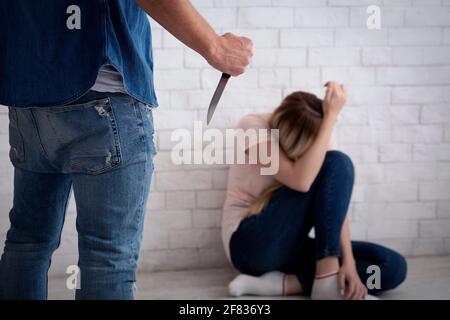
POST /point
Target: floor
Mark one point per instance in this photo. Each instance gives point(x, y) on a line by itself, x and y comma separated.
point(428, 278)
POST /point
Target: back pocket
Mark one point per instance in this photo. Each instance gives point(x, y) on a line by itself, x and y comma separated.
point(87, 136)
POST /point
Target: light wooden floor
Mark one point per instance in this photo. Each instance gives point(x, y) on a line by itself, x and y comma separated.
point(428, 278)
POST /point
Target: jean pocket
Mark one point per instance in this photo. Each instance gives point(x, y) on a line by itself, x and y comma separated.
point(87, 136)
point(144, 114)
point(16, 151)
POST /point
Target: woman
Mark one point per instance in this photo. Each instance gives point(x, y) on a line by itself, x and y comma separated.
point(267, 218)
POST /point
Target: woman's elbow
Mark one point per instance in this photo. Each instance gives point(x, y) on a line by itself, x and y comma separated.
point(303, 186)
point(296, 182)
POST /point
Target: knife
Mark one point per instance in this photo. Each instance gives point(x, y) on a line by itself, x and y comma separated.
point(216, 97)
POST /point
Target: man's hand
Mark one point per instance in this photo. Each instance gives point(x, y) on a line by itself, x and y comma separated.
point(231, 54)
point(228, 53)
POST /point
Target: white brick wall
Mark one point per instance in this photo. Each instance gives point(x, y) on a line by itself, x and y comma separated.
point(396, 126)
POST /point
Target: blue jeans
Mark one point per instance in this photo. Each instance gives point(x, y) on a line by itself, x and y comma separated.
point(101, 147)
point(277, 238)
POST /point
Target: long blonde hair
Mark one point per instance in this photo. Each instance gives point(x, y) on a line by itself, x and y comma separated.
point(298, 120)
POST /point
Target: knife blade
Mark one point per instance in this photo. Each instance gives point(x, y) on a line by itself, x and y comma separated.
point(217, 95)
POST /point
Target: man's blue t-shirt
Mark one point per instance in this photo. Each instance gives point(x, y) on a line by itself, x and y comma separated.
point(51, 50)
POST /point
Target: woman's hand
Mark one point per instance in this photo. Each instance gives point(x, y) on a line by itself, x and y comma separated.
point(350, 284)
point(335, 99)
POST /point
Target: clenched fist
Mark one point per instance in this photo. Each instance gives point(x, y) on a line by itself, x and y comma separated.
point(231, 54)
point(335, 99)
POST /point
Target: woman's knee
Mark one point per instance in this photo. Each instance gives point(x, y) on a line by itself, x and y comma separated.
point(339, 161)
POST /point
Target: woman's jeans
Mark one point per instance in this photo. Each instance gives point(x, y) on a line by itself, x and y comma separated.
point(277, 238)
point(101, 147)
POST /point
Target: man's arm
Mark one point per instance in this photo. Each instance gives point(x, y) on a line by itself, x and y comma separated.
point(229, 53)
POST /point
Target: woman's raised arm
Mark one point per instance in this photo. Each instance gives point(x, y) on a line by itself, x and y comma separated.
point(300, 174)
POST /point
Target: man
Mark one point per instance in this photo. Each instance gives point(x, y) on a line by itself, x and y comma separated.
point(77, 76)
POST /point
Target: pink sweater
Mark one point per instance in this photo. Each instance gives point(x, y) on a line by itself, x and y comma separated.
point(245, 183)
